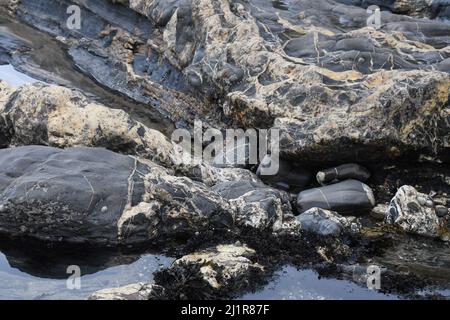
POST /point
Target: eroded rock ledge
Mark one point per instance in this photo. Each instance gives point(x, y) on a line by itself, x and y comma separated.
point(335, 87)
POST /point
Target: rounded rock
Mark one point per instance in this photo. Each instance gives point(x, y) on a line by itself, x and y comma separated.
point(441, 211)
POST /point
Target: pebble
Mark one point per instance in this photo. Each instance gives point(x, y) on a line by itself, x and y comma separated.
point(429, 203)
point(441, 211)
point(379, 212)
point(104, 209)
point(421, 200)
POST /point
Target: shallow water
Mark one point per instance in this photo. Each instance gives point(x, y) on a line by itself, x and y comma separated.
point(13, 77)
point(292, 284)
point(19, 285)
point(37, 283)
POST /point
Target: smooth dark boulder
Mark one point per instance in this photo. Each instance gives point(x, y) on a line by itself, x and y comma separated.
point(95, 196)
point(350, 197)
point(288, 176)
point(343, 172)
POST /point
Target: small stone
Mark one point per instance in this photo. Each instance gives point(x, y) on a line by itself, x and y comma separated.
point(379, 212)
point(421, 200)
point(104, 209)
point(441, 211)
point(429, 203)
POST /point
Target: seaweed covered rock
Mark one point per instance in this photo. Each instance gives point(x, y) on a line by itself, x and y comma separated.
point(216, 272)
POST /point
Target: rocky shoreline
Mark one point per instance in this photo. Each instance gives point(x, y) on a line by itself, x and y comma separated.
point(75, 171)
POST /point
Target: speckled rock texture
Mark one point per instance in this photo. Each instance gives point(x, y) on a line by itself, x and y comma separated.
point(415, 212)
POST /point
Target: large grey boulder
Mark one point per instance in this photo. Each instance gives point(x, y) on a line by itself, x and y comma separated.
point(93, 195)
point(350, 197)
point(96, 196)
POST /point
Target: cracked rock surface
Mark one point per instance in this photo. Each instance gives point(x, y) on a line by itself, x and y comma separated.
point(335, 87)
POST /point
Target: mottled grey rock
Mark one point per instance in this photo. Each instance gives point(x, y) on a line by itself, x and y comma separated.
point(406, 212)
point(137, 291)
point(325, 222)
point(349, 197)
point(441, 211)
point(379, 212)
point(259, 205)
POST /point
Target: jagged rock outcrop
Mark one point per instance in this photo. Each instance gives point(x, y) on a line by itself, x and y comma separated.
point(335, 87)
point(60, 117)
